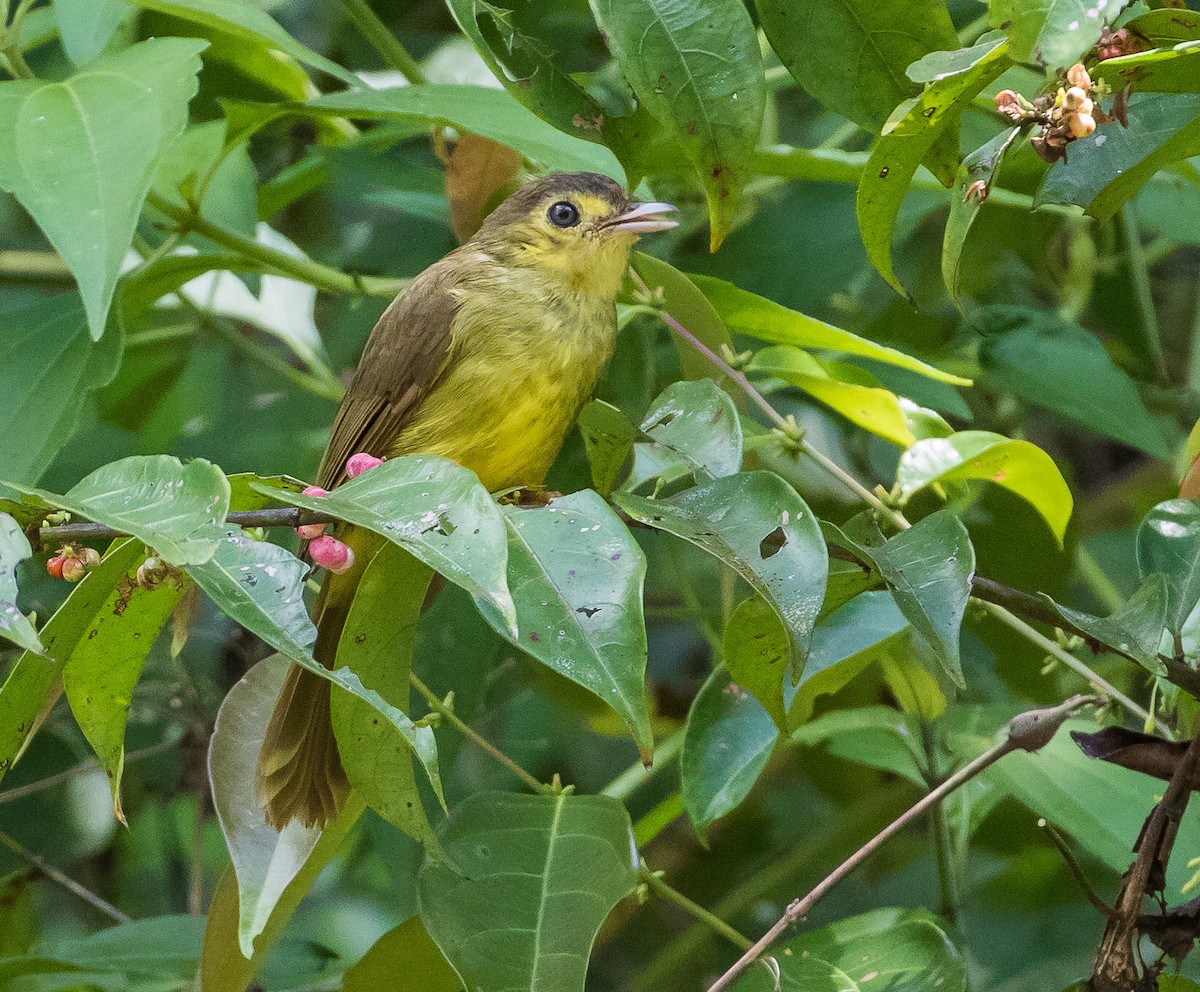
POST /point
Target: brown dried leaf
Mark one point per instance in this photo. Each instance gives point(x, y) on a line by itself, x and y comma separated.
point(1136, 751)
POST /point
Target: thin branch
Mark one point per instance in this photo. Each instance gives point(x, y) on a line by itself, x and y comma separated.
point(288, 516)
point(1057, 839)
point(394, 55)
point(50, 781)
point(1029, 731)
point(660, 888)
point(447, 713)
point(68, 883)
point(1139, 277)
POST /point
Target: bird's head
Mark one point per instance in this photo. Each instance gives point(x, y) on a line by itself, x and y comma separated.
point(573, 226)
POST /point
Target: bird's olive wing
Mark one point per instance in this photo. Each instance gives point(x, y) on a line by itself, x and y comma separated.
point(404, 356)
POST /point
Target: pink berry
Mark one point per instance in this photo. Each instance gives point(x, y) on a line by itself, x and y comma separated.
point(310, 532)
point(328, 552)
point(316, 491)
point(361, 462)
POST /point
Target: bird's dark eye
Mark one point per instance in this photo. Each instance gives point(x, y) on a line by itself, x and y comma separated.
point(563, 214)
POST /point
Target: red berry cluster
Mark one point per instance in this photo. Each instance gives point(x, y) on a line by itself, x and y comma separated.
point(72, 563)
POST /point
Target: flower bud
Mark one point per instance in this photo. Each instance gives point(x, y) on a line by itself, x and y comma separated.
point(1074, 97)
point(152, 573)
point(328, 552)
point(310, 532)
point(1081, 125)
point(1009, 104)
point(315, 491)
point(72, 569)
point(1077, 75)
point(361, 462)
point(89, 557)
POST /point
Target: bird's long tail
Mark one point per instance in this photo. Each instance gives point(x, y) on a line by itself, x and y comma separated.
point(300, 773)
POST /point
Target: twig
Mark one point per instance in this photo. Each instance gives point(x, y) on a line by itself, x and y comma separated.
point(1029, 731)
point(394, 54)
point(1057, 839)
point(1139, 276)
point(656, 885)
point(289, 516)
point(52, 873)
point(447, 713)
point(32, 788)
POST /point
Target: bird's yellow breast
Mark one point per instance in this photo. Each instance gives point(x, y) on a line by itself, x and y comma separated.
point(525, 358)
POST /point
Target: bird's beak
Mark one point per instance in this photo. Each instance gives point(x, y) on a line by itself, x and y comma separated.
point(641, 218)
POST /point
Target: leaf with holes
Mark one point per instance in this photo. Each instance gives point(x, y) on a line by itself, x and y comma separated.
point(759, 526)
point(80, 154)
point(1018, 466)
point(693, 427)
point(697, 68)
point(537, 876)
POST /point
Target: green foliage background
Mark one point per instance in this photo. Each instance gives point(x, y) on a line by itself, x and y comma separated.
point(205, 209)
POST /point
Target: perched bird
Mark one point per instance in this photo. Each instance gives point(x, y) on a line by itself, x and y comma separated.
point(486, 359)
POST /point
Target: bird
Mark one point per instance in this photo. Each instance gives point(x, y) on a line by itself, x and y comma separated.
point(485, 359)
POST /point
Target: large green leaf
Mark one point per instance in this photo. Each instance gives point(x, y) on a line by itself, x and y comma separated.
point(757, 649)
point(727, 742)
point(537, 877)
point(1136, 629)
point(434, 509)
point(1168, 542)
point(527, 69)
point(1107, 168)
point(1043, 359)
point(494, 114)
point(929, 568)
point(376, 644)
point(179, 510)
point(851, 54)
point(694, 428)
point(748, 313)
point(404, 959)
point(1160, 70)
point(34, 681)
point(696, 67)
point(759, 526)
point(873, 408)
point(1054, 32)
point(248, 23)
point(576, 576)
point(102, 671)
point(966, 200)
point(50, 368)
point(14, 625)
point(904, 145)
point(80, 154)
point(1018, 466)
point(900, 950)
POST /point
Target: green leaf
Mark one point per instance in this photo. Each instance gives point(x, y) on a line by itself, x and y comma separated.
point(179, 510)
point(1018, 466)
point(528, 71)
point(727, 742)
point(875, 736)
point(697, 68)
point(900, 950)
point(929, 568)
point(608, 438)
point(14, 625)
point(747, 313)
point(576, 576)
point(87, 26)
point(871, 407)
point(248, 23)
point(1136, 629)
point(1168, 542)
point(904, 145)
point(1056, 33)
point(376, 644)
point(684, 302)
point(966, 200)
point(757, 649)
point(100, 675)
point(1045, 360)
point(494, 114)
point(1161, 70)
point(694, 427)
point(34, 681)
point(405, 959)
point(51, 367)
point(760, 527)
point(1109, 166)
point(539, 875)
point(80, 155)
point(851, 54)
point(434, 509)
point(265, 860)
